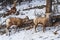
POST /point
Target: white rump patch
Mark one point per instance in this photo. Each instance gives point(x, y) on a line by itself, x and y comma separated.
point(7, 21)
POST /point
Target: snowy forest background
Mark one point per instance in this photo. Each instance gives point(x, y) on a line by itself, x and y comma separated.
point(29, 8)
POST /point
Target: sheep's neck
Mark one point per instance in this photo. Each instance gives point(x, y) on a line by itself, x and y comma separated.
point(47, 16)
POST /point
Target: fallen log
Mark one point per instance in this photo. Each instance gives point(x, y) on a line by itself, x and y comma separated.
point(39, 7)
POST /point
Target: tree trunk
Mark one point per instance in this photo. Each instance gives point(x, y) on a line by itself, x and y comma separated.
point(48, 6)
point(55, 6)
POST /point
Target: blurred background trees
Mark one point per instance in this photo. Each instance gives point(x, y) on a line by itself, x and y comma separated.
point(11, 1)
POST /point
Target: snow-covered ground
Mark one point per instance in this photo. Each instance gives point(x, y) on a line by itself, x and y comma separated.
point(30, 34)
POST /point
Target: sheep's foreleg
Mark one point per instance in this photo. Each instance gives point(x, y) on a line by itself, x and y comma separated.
point(35, 27)
point(7, 31)
point(44, 28)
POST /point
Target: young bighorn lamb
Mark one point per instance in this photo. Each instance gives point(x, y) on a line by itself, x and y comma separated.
point(41, 20)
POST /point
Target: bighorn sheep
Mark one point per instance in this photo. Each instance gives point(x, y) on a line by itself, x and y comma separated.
point(13, 21)
point(18, 22)
point(41, 20)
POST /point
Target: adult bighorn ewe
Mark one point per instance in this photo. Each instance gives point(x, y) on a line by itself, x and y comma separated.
point(41, 20)
point(13, 21)
point(18, 22)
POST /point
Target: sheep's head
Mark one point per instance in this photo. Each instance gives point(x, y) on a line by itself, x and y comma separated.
point(48, 15)
point(26, 19)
